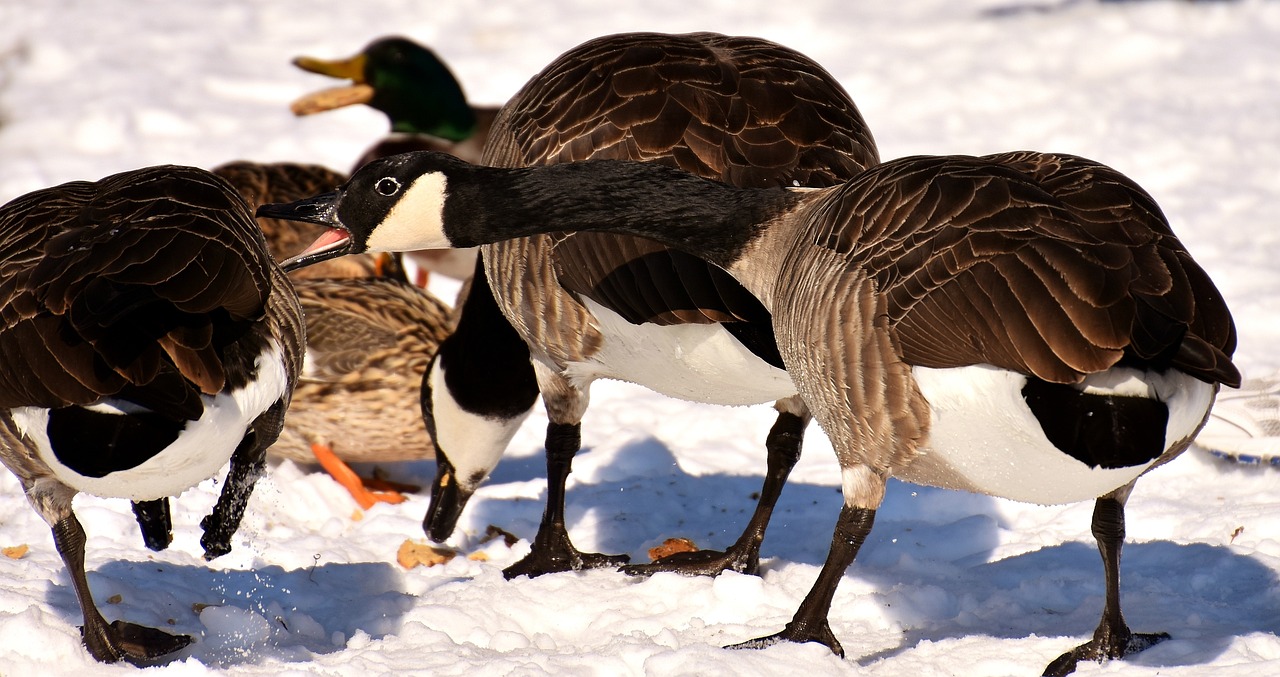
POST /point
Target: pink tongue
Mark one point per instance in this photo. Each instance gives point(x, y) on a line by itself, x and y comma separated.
point(327, 239)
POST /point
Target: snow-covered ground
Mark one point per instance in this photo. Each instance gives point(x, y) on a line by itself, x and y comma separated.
point(1182, 96)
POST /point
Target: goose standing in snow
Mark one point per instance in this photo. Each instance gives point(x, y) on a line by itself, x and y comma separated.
point(148, 338)
point(1023, 325)
point(596, 305)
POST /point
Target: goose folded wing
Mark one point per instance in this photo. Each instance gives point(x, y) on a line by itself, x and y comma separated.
point(1054, 269)
point(139, 270)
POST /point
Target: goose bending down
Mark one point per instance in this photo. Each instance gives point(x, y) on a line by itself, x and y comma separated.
point(369, 336)
point(148, 338)
point(591, 305)
point(1023, 325)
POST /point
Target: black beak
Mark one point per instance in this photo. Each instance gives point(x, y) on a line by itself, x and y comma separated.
point(447, 502)
point(321, 210)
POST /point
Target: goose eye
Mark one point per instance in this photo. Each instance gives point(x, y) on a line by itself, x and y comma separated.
point(387, 186)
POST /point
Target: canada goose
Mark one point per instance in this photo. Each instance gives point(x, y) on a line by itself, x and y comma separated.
point(148, 338)
point(1023, 325)
point(369, 336)
point(426, 107)
point(742, 110)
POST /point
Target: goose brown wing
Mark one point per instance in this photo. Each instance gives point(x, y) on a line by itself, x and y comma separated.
point(740, 110)
point(1182, 319)
point(1049, 265)
point(112, 285)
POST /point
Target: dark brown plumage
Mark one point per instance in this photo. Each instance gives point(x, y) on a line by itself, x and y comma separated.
point(953, 250)
point(127, 306)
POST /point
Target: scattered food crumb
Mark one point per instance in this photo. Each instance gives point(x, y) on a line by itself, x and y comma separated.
point(479, 556)
point(1239, 530)
point(413, 554)
point(115, 599)
point(16, 552)
point(670, 547)
point(491, 532)
point(357, 515)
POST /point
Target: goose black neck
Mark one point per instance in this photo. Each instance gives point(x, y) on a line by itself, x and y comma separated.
point(709, 219)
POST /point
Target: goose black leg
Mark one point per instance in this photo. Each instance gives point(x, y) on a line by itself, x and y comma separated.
point(783, 445)
point(107, 642)
point(552, 551)
point(809, 624)
point(153, 520)
point(247, 465)
point(1112, 639)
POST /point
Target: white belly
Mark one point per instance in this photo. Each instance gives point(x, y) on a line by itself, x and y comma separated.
point(696, 362)
point(200, 451)
point(985, 439)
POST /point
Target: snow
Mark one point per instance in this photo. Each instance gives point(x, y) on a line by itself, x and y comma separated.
point(1181, 96)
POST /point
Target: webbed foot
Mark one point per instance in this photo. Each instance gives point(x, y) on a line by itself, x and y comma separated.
point(699, 563)
point(121, 640)
point(1103, 647)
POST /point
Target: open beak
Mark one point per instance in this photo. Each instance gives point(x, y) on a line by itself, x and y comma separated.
point(320, 210)
point(359, 91)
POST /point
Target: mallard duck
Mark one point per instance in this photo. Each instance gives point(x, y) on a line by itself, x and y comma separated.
point(148, 339)
point(1023, 325)
point(589, 306)
point(369, 336)
point(426, 108)
point(423, 101)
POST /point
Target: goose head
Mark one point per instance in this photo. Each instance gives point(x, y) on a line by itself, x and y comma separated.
point(394, 204)
point(404, 80)
point(432, 200)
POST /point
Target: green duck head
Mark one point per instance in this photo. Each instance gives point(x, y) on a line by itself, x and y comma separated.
point(404, 80)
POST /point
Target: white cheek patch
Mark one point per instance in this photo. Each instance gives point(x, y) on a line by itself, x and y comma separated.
point(417, 219)
point(474, 444)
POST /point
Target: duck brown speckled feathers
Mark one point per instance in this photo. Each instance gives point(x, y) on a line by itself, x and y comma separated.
point(259, 183)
